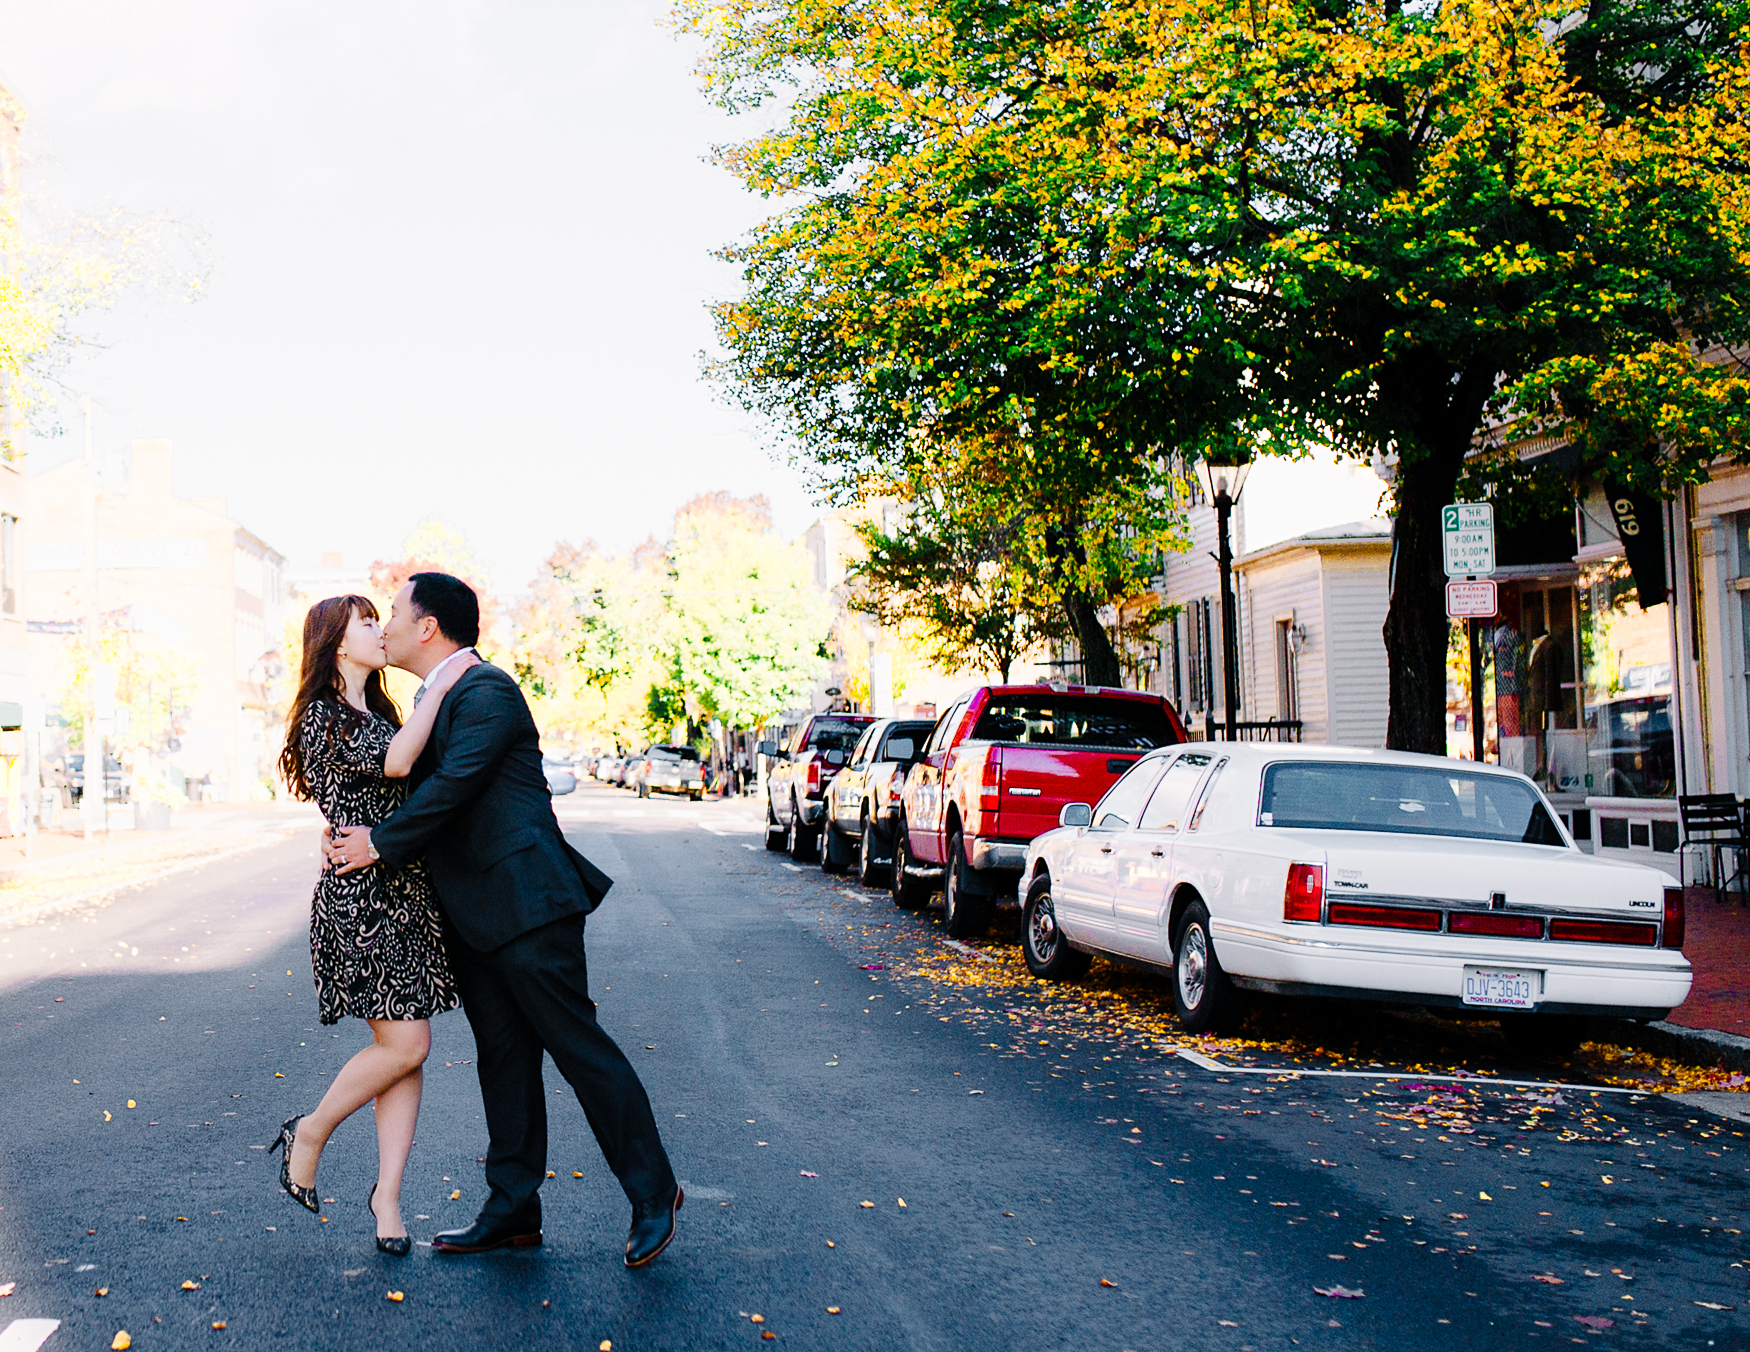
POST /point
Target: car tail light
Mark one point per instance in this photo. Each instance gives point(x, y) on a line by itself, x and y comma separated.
point(1384, 917)
point(1305, 895)
point(1674, 917)
point(813, 778)
point(990, 777)
point(1496, 926)
point(1604, 932)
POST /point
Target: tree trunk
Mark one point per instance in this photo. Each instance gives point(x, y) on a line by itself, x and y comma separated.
point(1099, 658)
point(1448, 411)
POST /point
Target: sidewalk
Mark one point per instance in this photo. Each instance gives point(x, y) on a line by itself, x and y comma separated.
point(64, 869)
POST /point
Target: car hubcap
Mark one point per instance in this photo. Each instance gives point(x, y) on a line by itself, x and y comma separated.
point(1042, 930)
point(1193, 966)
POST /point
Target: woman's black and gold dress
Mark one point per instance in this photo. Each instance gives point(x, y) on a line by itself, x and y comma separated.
point(376, 945)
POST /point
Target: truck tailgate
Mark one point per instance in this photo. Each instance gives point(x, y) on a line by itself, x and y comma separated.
point(1038, 780)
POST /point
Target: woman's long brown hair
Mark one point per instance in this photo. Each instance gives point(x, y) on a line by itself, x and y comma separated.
point(324, 631)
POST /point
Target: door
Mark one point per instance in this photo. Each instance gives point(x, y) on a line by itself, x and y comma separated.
point(1142, 862)
point(1082, 898)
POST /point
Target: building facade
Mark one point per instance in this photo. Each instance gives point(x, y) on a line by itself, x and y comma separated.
point(190, 610)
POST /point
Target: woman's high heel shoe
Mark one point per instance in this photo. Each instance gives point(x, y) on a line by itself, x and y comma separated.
point(399, 1246)
point(288, 1136)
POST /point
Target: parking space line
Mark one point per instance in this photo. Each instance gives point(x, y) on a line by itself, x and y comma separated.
point(26, 1335)
point(1198, 1059)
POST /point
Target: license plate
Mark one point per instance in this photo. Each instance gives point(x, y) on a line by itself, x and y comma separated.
point(1496, 989)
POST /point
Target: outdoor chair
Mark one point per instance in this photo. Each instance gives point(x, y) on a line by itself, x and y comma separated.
point(1716, 822)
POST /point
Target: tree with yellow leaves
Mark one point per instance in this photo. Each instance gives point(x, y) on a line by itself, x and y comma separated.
point(1087, 233)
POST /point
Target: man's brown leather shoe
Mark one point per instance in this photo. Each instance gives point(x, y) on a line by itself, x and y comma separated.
point(653, 1226)
point(484, 1235)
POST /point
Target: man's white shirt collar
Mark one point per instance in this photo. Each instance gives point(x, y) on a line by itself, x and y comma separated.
point(431, 675)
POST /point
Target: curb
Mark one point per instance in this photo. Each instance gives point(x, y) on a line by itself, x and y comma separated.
point(1693, 1046)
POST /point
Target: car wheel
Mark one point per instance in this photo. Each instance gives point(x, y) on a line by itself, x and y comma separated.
point(775, 841)
point(1047, 952)
point(965, 914)
point(868, 871)
point(1203, 997)
point(802, 840)
point(835, 850)
point(909, 894)
point(1542, 1037)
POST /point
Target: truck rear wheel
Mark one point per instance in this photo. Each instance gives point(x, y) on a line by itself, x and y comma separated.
point(1047, 952)
point(835, 850)
point(868, 871)
point(909, 894)
point(803, 839)
point(965, 914)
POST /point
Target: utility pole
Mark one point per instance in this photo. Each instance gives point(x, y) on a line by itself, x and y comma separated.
point(1230, 676)
point(91, 798)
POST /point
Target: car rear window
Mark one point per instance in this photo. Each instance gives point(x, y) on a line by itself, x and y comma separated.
point(1405, 800)
point(1071, 720)
point(685, 753)
point(905, 743)
point(836, 734)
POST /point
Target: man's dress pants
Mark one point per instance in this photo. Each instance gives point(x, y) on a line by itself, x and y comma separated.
point(530, 996)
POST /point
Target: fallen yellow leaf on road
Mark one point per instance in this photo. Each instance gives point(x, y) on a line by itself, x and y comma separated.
point(1104, 1282)
point(832, 1309)
point(902, 1201)
point(6, 1288)
point(756, 1319)
point(456, 1196)
point(121, 1342)
point(106, 1116)
point(396, 1296)
point(132, 1104)
point(218, 1323)
point(191, 1286)
point(606, 1346)
point(768, 1334)
point(551, 1174)
point(101, 1291)
point(576, 1174)
point(1484, 1197)
point(866, 1204)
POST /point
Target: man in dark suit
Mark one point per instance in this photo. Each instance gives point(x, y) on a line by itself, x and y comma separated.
point(514, 896)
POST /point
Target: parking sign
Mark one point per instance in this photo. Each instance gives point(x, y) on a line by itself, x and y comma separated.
point(1467, 529)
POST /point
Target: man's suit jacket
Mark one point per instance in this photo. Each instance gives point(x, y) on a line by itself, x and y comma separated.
point(481, 816)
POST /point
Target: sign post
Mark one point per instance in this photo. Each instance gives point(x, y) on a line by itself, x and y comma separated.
point(1467, 535)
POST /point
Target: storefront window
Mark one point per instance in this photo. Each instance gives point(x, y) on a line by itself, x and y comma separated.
point(1626, 657)
point(1537, 686)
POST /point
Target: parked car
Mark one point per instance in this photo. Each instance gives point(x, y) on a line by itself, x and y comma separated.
point(115, 782)
point(561, 778)
point(606, 767)
point(1333, 871)
point(670, 769)
point(802, 771)
point(862, 805)
point(626, 772)
point(997, 768)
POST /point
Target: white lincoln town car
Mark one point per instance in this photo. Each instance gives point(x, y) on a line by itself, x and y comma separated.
point(1312, 870)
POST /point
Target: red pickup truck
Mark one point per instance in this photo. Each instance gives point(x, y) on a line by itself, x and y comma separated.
point(996, 770)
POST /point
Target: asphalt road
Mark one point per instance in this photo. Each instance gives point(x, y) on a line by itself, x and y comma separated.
point(1069, 1180)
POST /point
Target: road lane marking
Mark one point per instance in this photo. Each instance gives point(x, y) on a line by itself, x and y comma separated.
point(26, 1335)
point(794, 868)
point(1208, 1063)
point(968, 948)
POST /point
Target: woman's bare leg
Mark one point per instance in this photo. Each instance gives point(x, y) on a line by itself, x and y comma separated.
point(397, 1116)
point(398, 1049)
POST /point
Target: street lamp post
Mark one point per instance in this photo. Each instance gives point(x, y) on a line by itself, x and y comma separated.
point(1217, 475)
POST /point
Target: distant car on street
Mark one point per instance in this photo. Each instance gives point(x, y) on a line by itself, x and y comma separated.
point(670, 769)
point(561, 778)
point(801, 772)
point(1332, 871)
point(625, 773)
point(862, 804)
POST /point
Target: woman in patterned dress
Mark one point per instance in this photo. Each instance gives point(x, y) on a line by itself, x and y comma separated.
point(376, 946)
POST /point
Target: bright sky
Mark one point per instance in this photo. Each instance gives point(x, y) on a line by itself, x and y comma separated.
point(461, 262)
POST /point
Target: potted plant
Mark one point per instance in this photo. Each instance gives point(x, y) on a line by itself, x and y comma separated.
point(154, 801)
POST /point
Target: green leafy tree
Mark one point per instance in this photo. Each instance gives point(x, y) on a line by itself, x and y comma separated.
point(1089, 232)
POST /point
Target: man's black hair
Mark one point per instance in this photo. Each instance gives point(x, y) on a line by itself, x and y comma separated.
point(451, 602)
